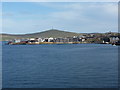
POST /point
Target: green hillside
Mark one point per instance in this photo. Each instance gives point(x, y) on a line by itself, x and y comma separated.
point(50, 33)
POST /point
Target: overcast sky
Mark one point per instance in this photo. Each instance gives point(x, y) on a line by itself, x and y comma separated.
point(82, 17)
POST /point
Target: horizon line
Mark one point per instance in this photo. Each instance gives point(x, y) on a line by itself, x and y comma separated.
point(56, 30)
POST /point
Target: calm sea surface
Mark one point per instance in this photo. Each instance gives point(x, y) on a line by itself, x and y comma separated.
point(60, 66)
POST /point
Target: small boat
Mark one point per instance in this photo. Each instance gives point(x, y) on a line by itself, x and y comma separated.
point(114, 45)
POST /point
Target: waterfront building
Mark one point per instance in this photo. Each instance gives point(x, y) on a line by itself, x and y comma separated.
point(114, 39)
point(75, 39)
point(40, 40)
point(17, 40)
point(83, 39)
point(70, 39)
point(50, 39)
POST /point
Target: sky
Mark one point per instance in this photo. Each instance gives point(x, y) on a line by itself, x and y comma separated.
point(80, 17)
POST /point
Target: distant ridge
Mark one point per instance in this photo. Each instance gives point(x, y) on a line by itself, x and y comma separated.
point(49, 33)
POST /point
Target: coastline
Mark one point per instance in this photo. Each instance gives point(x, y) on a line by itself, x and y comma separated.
point(40, 43)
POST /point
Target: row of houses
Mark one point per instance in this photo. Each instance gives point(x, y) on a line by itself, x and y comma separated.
point(83, 39)
point(60, 39)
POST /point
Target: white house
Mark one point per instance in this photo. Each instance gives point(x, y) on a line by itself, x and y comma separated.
point(114, 39)
point(50, 39)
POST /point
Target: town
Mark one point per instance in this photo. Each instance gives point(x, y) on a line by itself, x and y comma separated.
point(107, 38)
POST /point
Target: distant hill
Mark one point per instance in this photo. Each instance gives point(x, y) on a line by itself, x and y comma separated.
point(49, 33)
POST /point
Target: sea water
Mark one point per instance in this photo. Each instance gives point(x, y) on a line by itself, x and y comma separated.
point(60, 66)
